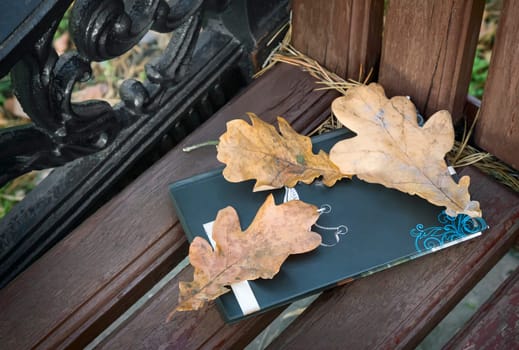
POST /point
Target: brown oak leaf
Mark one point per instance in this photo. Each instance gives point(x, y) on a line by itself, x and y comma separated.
point(393, 150)
point(275, 160)
point(276, 232)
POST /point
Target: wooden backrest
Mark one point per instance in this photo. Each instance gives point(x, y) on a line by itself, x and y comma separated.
point(498, 128)
point(424, 49)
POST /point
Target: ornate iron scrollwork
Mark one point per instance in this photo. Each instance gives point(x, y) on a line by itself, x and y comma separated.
point(101, 29)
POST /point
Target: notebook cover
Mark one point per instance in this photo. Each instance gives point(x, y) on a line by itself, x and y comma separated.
point(385, 228)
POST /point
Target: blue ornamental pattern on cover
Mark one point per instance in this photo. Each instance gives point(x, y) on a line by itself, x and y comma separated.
point(452, 229)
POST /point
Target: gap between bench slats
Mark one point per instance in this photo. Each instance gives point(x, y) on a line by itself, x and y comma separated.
point(84, 283)
point(205, 328)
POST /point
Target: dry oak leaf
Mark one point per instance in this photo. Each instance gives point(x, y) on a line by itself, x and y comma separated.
point(259, 152)
point(276, 232)
point(393, 150)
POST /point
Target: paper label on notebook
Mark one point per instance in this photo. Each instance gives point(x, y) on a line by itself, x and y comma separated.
point(242, 290)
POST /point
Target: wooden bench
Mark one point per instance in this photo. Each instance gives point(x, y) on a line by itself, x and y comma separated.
point(80, 287)
point(496, 323)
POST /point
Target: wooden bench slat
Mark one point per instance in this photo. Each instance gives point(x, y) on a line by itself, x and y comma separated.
point(428, 50)
point(147, 329)
point(496, 324)
point(497, 130)
point(398, 307)
point(341, 35)
point(84, 283)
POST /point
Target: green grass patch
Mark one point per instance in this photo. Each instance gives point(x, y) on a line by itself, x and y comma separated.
point(479, 76)
point(14, 191)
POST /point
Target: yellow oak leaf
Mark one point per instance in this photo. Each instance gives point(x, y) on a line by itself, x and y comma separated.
point(275, 160)
point(393, 150)
point(276, 232)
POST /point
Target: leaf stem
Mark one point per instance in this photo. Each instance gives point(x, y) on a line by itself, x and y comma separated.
point(200, 145)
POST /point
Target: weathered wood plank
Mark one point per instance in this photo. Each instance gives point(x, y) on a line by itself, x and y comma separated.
point(497, 130)
point(342, 35)
point(86, 281)
point(496, 324)
point(398, 307)
point(428, 50)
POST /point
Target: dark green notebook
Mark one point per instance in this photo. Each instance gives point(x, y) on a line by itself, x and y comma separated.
point(368, 228)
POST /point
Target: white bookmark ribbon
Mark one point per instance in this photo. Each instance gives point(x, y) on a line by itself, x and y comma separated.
point(242, 290)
